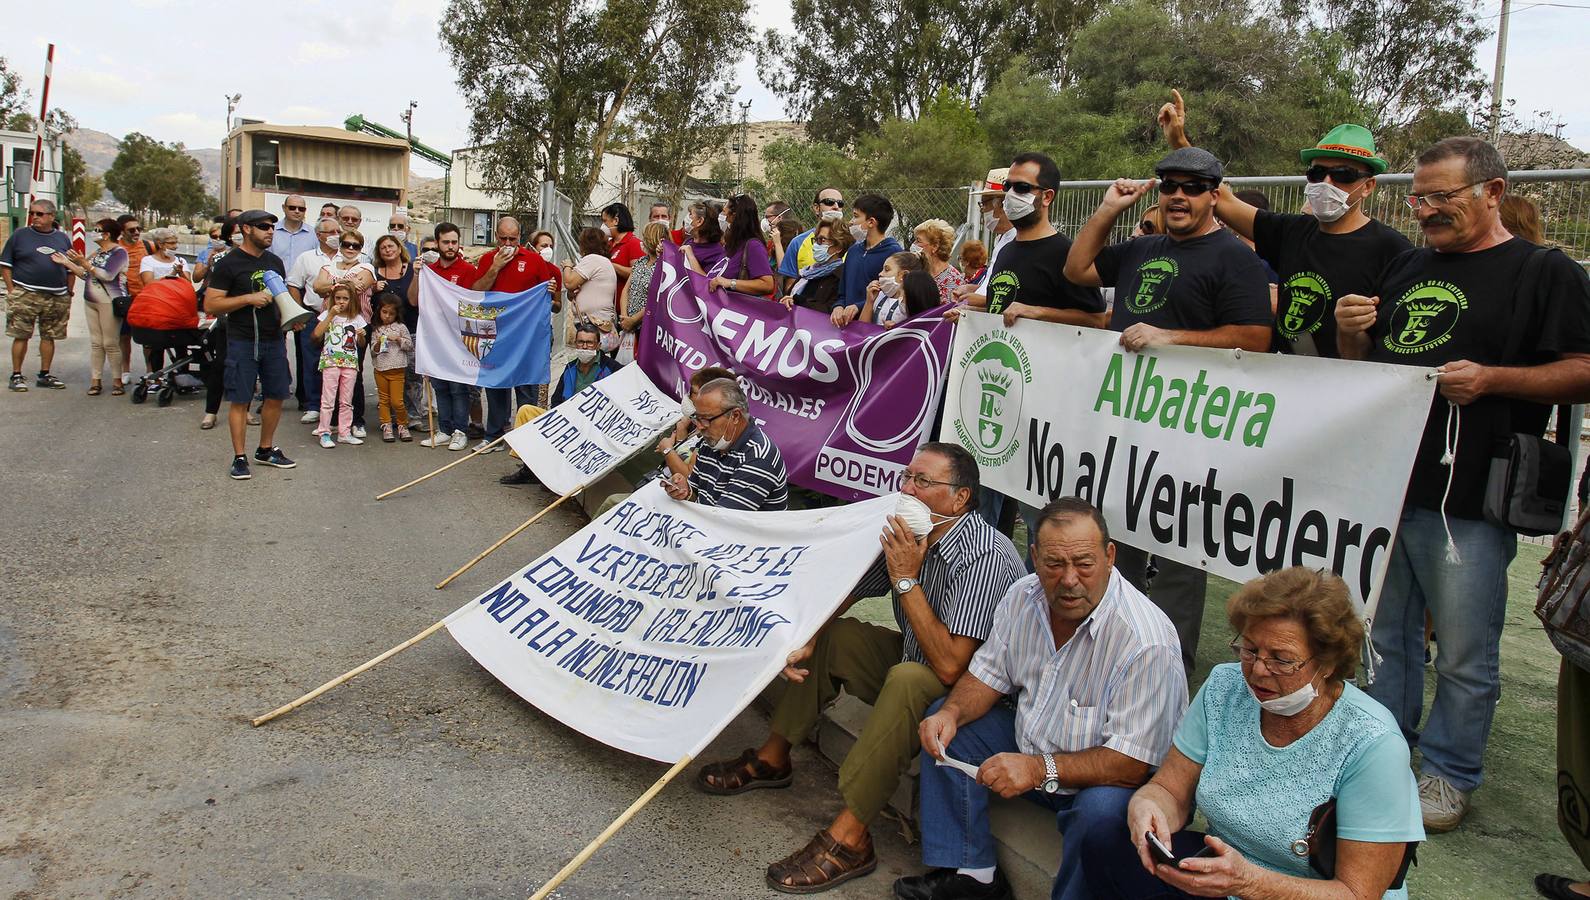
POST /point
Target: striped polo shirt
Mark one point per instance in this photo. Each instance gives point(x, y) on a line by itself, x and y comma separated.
point(1117, 683)
point(964, 575)
point(749, 474)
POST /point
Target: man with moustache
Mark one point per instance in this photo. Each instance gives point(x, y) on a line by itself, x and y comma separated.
point(1094, 669)
point(1197, 285)
point(1508, 326)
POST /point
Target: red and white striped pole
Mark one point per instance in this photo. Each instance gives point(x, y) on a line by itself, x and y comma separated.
point(44, 111)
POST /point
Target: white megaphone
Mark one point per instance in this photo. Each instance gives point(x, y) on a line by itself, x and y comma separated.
point(287, 309)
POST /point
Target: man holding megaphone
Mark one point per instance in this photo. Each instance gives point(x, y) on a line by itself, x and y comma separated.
point(256, 321)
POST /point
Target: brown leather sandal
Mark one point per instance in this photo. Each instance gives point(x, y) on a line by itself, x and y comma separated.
point(744, 773)
point(822, 864)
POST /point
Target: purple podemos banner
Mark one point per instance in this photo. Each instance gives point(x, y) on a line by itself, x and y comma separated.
point(847, 407)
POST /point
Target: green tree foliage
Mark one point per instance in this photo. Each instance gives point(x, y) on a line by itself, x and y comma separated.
point(13, 100)
point(79, 190)
point(677, 122)
point(150, 176)
point(547, 84)
point(945, 146)
point(851, 65)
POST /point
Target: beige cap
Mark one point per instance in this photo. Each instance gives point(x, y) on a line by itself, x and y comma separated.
point(994, 183)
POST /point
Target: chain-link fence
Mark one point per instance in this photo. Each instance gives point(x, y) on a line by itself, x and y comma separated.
point(1563, 196)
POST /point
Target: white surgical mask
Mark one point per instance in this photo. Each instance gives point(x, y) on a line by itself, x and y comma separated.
point(723, 222)
point(1290, 704)
point(1019, 205)
point(887, 285)
point(606, 231)
point(858, 233)
point(721, 444)
point(917, 516)
point(819, 253)
point(687, 406)
point(830, 214)
point(1326, 201)
point(990, 221)
point(916, 248)
point(429, 257)
point(546, 253)
point(767, 226)
point(237, 238)
point(584, 355)
point(334, 242)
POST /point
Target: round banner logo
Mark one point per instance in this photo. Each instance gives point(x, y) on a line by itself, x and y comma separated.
point(996, 372)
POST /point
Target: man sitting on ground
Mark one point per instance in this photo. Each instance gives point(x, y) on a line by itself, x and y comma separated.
point(738, 466)
point(947, 573)
point(1095, 669)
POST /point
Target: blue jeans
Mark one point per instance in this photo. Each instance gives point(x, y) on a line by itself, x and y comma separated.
point(452, 405)
point(1114, 871)
point(308, 369)
point(501, 403)
point(1467, 603)
point(954, 814)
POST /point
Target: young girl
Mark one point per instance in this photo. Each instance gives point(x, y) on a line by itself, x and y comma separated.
point(393, 344)
point(885, 299)
point(341, 336)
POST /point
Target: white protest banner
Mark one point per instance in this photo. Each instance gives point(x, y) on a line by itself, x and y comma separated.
point(1243, 463)
point(585, 436)
point(651, 628)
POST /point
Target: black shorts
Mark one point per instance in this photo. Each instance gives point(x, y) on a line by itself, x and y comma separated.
point(269, 369)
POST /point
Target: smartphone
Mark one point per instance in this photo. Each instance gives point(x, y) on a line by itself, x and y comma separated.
point(1163, 854)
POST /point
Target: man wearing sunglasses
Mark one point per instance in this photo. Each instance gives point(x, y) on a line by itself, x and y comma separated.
point(38, 292)
point(1334, 249)
point(1197, 285)
point(1507, 347)
point(294, 237)
point(827, 206)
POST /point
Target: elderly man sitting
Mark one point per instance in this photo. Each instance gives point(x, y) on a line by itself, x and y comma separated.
point(1095, 669)
point(737, 467)
point(947, 568)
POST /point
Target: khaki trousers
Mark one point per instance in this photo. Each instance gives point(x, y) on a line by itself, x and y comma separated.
point(864, 659)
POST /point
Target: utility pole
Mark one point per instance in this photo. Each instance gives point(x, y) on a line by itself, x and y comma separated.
point(408, 119)
point(1501, 65)
point(226, 150)
point(745, 129)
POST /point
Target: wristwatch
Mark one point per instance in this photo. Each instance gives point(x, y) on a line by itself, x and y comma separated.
point(1051, 775)
point(905, 584)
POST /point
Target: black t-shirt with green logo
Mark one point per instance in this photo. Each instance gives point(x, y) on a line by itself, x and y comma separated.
point(1194, 285)
point(1314, 269)
point(1033, 272)
point(1437, 308)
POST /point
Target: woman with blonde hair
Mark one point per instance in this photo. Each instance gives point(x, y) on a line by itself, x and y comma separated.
point(640, 273)
point(935, 241)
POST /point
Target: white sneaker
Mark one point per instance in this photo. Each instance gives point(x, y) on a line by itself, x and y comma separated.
point(460, 441)
point(1442, 805)
point(327, 441)
point(310, 417)
point(359, 432)
point(487, 447)
point(126, 378)
point(350, 438)
point(439, 439)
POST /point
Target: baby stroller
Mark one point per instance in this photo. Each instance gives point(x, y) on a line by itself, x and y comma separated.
point(165, 318)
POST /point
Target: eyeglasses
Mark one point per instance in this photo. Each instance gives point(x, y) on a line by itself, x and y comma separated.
point(398, 226)
point(1338, 174)
point(37, 212)
point(1189, 188)
point(703, 421)
point(921, 481)
point(1019, 187)
point(836, 204)
point(132, 229)
point(1273, 664)
point(1145, 226)
point(263, 226)
point(352, 245)
point(295, 208)
point(1434, 199)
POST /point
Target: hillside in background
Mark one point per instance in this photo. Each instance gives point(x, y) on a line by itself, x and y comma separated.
point(99, 151)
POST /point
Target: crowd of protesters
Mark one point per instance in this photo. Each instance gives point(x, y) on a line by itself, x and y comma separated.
point(1064, 679)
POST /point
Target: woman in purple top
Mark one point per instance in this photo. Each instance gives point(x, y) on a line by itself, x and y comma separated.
point(104, 282)
point(744, 268)
point(705, 246)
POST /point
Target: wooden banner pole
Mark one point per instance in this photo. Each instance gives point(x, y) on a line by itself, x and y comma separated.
point(347, 676)
point(430, 410)
point(620, 822)
point(478, 451)
point(508, 537)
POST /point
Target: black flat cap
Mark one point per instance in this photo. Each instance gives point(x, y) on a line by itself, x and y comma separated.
point(260, 216)
point(1191, 161)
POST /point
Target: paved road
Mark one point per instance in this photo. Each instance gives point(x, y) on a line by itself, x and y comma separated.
point(149, 606)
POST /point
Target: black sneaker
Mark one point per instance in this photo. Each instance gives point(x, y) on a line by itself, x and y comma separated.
point(920, 887)
point(955, 886)
point(522, 475)
point(240, 468)
point(18, 383)
point(46, 380)
point(273, 457)
point(475, 432)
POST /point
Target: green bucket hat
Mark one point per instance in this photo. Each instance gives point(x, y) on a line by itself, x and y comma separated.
point(1347, 142)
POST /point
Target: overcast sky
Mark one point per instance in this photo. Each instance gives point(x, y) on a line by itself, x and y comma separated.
point(163, 66)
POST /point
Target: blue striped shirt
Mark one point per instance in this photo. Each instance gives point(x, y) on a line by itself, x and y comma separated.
point(748, 475)
point(964, 575)
point(1117, 683)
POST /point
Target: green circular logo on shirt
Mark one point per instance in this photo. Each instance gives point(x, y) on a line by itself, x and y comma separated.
point(1002, 289)
point(1153, 285)
point(1305, 298)
point(1424, 317)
